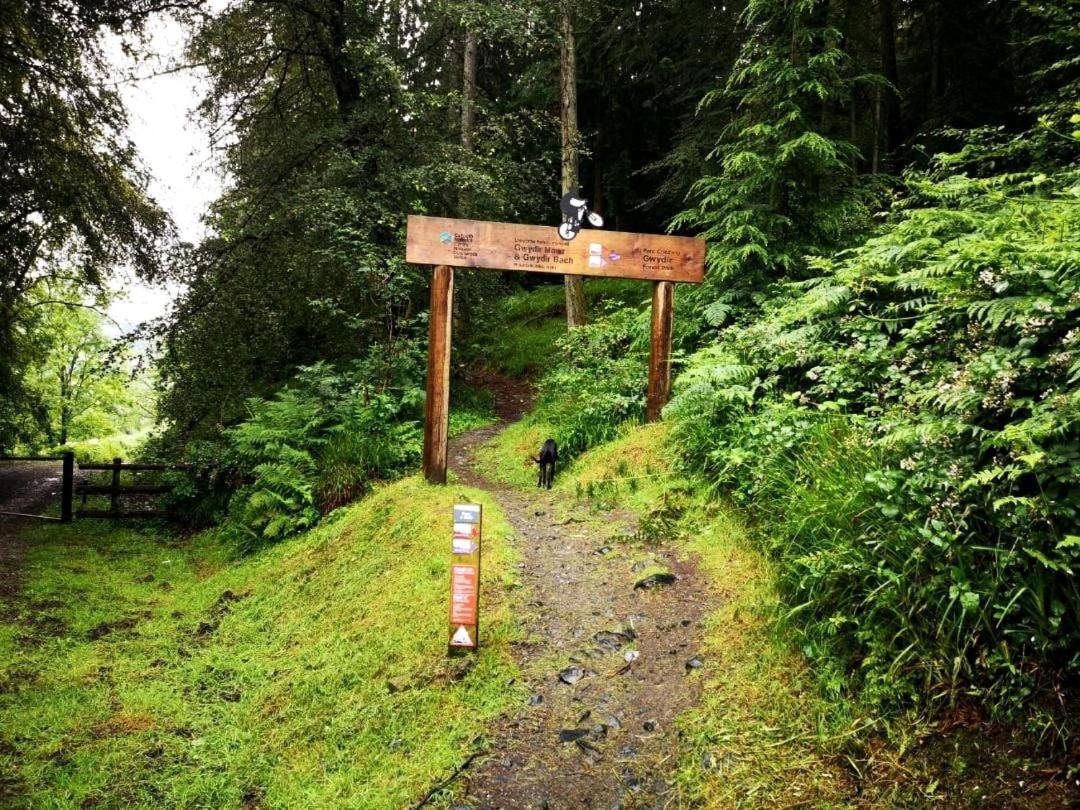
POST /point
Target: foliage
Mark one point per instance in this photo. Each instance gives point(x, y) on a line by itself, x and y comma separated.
point(906, 426)
point(521, 329)
point(102, 448)
point(74, 203)
point(336, 120)
point(316, 444)
point(780, 184)
point(597, 383)
point(77, 383)
point(136, 665)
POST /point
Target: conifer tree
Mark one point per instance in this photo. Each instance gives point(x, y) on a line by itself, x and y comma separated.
point(782, 185)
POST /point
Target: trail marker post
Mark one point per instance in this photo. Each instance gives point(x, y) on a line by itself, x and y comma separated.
point(448, 243)
point(465, 578)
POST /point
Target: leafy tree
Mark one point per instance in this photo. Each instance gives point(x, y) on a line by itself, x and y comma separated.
point(80, 376)
point(335, 124)
point(74, 196)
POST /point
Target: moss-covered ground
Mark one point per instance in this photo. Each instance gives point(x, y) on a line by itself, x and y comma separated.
point(138, 669)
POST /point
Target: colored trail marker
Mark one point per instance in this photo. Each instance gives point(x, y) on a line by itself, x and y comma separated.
point(465, 578)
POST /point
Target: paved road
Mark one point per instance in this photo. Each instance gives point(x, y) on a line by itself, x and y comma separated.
point(28, 486)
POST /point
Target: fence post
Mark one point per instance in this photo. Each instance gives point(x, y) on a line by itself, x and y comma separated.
point(67, 487)
point(114, 494)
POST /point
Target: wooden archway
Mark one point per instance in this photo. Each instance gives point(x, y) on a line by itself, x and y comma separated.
point(449, 243)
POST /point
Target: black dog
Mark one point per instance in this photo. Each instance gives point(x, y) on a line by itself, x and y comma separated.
point(549, 455)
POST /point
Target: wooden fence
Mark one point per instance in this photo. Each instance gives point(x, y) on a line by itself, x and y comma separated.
point(116, 490)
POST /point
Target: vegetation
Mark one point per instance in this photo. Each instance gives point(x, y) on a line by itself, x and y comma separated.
point(905, 425)
point(74, 204)
point(294, 668)
point(873, 447)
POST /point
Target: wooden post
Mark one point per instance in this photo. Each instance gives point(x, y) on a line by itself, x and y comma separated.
point(67, 487)
point(114, 493)
point(437, 407)
point(663, 311)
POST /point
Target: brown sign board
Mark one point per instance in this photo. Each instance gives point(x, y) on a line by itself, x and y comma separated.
point(540, 249)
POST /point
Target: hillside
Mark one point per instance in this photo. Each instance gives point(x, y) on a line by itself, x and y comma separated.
point(148, 668)
point(144, 669)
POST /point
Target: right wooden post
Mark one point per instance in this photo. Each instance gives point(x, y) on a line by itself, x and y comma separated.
point(437, 405)
point(663, 311)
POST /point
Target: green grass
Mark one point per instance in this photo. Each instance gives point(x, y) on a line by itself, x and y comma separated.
point(520, 338)
point(507, 458)
point(148, 671)
point(763, 734)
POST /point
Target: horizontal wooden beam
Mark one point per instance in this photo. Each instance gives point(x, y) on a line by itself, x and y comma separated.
point(125, 489)
point(136, 467)
point(105, 513)
point(540, 249)
point(24, 515)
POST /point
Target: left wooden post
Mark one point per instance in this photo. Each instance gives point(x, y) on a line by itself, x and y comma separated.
point(67, 487)
point(437, 406)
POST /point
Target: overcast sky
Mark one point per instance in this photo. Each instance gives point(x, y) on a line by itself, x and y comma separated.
point(174, 150)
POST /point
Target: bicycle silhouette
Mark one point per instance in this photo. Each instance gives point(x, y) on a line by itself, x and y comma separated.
point(575, 210)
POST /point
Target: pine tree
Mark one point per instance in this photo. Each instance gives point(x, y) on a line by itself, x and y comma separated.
point(782, 184)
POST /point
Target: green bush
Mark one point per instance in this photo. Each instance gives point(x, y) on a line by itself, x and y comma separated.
point(103, 450)
point(904, 426)
point(317, 444)
point(598, 382)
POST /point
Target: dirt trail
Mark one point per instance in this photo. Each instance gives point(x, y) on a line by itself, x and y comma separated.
point(607, 738)
point(24, 487)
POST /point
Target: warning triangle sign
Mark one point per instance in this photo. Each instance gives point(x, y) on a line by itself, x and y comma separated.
point(461, 637)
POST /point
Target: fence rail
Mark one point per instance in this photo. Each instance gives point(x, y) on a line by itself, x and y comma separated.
point(115, 490)
point(134, 467)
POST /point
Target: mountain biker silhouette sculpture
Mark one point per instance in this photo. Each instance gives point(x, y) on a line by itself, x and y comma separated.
point(575, 210)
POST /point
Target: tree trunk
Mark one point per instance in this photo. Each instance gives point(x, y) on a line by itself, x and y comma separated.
point(575, 288)
point(875, 158)
point(468, 111)
point(468, 100)
point(893, 124)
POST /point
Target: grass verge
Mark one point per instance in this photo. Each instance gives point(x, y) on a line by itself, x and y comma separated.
point(141, 670)
point(770, 732)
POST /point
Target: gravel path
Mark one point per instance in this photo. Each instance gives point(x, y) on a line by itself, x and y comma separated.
point(608, 664)
point(24, 487)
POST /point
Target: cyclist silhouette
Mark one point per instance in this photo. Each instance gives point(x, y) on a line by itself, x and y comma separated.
point(575, 210)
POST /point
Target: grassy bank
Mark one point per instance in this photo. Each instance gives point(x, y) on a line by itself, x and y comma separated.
point(148, 671)
point(769, 731)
